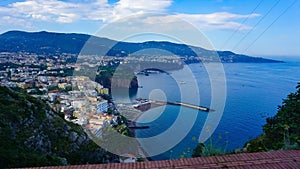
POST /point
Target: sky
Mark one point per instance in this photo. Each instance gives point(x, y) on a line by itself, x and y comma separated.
point(252, 27)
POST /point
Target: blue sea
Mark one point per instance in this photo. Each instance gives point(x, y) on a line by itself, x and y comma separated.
point(253, 92)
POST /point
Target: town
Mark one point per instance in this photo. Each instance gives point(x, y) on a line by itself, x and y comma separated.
point(76, 98)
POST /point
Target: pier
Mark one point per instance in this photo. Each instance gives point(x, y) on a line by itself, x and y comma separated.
point(148, 104)
point(201, 108)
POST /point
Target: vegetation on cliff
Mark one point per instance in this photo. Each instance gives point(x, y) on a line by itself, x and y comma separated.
point(34, 135)
point(116, 77)
point(110, 76)
point(281, 131)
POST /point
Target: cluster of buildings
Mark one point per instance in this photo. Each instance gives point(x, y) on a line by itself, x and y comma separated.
point(86, 106)
point(77, 98)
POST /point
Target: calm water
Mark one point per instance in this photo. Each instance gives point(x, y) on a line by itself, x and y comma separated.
point(253, 93)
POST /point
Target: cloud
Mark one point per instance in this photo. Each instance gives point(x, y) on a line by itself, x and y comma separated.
point(211, 21)
point(67, 12)
point(217, 20)
point(143, 5)
point(5, 21)
point(58, 11)
point(49, 11)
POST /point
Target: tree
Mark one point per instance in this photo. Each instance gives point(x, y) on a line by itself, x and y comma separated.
point(198, 150)
point(283, 130)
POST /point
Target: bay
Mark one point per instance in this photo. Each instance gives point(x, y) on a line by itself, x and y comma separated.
point(254, 91)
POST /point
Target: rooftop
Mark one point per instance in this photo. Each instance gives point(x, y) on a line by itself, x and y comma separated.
point(274, 159)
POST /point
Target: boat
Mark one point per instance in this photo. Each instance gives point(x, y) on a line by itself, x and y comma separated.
point(182, 82)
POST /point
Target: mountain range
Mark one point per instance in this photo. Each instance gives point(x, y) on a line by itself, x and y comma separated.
point(58, 43)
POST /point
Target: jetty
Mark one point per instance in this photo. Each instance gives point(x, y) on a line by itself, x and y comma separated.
point(201, 108)
point(145, 104)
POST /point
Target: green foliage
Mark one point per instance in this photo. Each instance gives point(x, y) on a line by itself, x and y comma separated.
point(283, 130)
point(109, 112)
point(140, 159)
point(198, 150)
point(17, 105)
point(21, 157)
point(33, 135)
point(207, 150)
point(122, 129)
point(106, 73)
point(211, 150)
point(211, 147)
point(15, 109)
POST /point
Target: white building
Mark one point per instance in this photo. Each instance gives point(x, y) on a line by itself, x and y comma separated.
point(102, 106)
point(128, 158)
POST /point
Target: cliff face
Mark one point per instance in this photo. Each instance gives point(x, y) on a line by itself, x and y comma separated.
point(117, 77)
point(124, 83)
point(33, 135)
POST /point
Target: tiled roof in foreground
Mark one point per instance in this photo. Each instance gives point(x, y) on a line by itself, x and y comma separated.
point(275, 159)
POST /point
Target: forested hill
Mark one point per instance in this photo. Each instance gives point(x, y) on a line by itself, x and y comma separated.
point(33, 135)
point(58, 43)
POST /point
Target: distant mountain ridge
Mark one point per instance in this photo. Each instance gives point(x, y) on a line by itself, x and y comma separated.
point(58, 43)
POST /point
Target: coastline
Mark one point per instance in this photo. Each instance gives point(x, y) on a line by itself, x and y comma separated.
point(141, 151)
point(144, 153)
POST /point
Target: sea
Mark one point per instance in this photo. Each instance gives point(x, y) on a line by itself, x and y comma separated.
point(250, 93)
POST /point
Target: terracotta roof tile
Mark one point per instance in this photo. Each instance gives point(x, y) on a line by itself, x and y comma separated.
point(273, 160)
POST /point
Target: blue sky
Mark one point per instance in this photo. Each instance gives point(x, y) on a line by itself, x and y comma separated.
point(253, 27)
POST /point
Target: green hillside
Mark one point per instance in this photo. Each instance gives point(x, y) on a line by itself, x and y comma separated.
point(33, 135)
